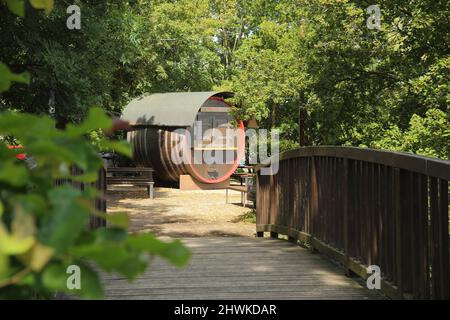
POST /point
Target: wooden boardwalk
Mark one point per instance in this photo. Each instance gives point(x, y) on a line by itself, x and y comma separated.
point(241, 268)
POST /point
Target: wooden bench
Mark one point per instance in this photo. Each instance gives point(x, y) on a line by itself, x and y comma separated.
point(133, 176)
point(242, 190)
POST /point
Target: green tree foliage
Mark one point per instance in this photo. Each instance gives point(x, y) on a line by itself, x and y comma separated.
point(181, 39)
point(123, 49)
point(426, 135)
point(44, 227)
point(358, 86)
point(298, 66)
point(72, 69)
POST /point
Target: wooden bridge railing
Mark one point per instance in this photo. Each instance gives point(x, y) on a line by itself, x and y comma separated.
point(365, 207)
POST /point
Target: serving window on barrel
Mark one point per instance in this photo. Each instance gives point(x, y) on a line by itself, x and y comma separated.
point(213, 132)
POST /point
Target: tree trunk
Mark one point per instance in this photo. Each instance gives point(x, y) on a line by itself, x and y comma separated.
point(53, 110)
point(301, 126)
point(274, 114)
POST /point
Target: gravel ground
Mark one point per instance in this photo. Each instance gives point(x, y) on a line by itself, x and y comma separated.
point(177, 213)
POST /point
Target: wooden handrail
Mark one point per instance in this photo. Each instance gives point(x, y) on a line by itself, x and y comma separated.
point(408, 161)
point(365, 207)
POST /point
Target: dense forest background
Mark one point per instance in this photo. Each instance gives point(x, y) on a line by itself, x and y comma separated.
point(311, 68)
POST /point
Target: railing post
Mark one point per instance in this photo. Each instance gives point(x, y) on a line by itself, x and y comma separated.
point(398, 231)
point(345, 208)
point(439, 236)
point(314, 201)
point(443, 240)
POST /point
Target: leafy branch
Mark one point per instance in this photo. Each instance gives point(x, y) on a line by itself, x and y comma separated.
point(44, 228)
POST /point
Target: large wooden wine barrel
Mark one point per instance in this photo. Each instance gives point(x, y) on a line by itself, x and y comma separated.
point(186, 133)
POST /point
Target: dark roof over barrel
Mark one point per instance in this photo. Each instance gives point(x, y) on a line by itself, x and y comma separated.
point(177, 109)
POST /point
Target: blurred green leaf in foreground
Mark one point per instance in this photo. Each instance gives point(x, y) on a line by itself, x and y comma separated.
point(44, 227)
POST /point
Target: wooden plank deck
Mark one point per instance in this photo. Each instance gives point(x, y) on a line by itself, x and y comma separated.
point(241, 268)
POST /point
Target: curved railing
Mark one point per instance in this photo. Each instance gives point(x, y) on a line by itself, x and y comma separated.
point(365, 207)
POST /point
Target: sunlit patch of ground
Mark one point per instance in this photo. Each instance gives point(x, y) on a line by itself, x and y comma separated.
point(177, 213)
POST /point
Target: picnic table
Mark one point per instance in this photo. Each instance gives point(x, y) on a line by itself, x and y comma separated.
point(132, 175)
